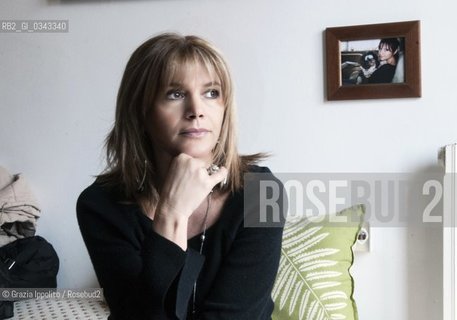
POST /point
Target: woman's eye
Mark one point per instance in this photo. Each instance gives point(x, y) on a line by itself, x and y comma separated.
point(175, 95)
point(212, 94)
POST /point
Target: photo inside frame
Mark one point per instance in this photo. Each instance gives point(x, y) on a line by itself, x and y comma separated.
point(372, 61)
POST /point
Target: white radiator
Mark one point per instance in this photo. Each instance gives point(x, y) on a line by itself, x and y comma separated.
point(448, 158)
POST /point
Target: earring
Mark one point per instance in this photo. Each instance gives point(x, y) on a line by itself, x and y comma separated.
point(141, 185)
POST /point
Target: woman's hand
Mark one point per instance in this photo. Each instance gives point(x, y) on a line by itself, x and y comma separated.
point(186, 185)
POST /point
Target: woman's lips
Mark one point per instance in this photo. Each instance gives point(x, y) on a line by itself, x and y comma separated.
point(194, 132)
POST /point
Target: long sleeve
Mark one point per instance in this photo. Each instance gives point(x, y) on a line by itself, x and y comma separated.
point(242, 288)
point(140, 271)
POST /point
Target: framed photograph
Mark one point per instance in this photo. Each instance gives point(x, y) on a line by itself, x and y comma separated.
point(373, 61)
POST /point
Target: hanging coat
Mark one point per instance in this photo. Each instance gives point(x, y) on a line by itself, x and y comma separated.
point(19, 208)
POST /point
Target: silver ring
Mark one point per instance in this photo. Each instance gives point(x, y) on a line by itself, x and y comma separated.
point(212, 169)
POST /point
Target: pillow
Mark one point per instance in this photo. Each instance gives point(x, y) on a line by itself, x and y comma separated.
point(313, 280)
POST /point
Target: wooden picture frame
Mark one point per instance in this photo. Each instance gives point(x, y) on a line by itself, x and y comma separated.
point(340, 43)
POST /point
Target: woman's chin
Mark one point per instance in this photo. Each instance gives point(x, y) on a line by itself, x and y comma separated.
point(198, 153)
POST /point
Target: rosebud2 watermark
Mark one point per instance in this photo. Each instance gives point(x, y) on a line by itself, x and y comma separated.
point(16, 294)
point(390, 199)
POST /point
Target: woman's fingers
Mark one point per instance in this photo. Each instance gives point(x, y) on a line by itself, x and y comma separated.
point(188, 182)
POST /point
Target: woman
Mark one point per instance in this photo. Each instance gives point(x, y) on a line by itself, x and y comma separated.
point(388, 51)
point(164, 223)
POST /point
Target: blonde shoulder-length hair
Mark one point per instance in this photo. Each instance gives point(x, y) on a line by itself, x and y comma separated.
point(129, 151)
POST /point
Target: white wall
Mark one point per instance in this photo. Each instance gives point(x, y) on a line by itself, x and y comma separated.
point(57, 103)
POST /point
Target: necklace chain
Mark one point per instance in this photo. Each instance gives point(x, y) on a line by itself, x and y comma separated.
point(205, 221)
point(202, 242)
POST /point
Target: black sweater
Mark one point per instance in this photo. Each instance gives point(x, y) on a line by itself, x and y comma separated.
point(384, 74)
point(145, 276)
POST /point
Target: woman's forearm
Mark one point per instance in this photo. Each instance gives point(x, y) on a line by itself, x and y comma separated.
point(171, 227)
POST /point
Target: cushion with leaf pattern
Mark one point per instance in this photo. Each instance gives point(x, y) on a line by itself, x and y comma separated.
point(313, 280)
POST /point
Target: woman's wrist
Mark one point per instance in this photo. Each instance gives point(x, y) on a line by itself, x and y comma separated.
point(171, 227)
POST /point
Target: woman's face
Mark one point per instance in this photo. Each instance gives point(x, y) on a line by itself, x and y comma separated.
point(385, 53)
point(187, 116)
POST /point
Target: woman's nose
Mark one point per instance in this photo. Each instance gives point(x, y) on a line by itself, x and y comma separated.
point(194, 107)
